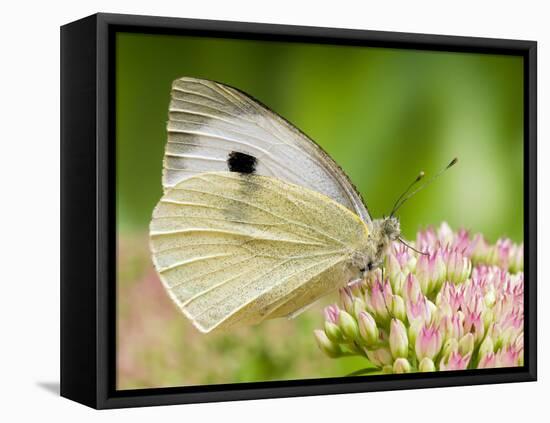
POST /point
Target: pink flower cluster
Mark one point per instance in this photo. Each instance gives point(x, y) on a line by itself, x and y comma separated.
point(458, 307)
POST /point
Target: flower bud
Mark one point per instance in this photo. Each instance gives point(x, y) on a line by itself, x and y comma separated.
point(326, 345)
point(348, 326)
point(430, 272)
point(507, 357)
point(432, 308)
point(503, 250)
point(428, 342)
point(474, 323)
point(458, 267)
point(367, 328)
point(401, 365)
point(398, 308)
point(392, 266)
point(358, 306)
point(418, 309)
point(445, 234)
point(455, 361)
point(487, 361)
point(356, 287)
point(399, 343)
point(466, 344)
point(486, 346)
point(331, 313)
point(490, 297)
point(451, 327)
point(516, 259)
point(450, 346)
point(411, 289)
point(398, 283)
point(488, 317)
point(426, 365)
point(387, 369)
point(444, 309)
point(519, 341)
point(395, 265)
point(333, 332)
point(378, 302)
point(346, 299)
point(380, 357)
point(410, 266)
point(414, 329)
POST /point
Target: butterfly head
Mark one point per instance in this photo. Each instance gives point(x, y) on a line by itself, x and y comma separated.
point(382, 233)
point(389, 228)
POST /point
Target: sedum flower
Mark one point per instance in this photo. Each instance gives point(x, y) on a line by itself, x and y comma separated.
point(430, 272)
point(426, 365)
point(399, 342)
point(348, 325)
point(487, 361)
point(466, 344)
point(458, 307)
point(367, 328)
point(401, 365)
point(411, 288)
point(346, 299)
point(428, 342)
point(326, 345)
point(486, 347)
point(332, 330)
point(380, 357)
point(418, 309)
point(508, 357)
point(377, 301)
point(398, 308)
point(455, 361)
point(458, 266)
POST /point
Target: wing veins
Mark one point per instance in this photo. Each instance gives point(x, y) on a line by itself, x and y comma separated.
point(219, 231)
point(180, 247)
point(207, 274)
point(193, 260)
point(241, 306)
point(291, 222)
point(289, 198)
point(197, 93)
point(193, 157)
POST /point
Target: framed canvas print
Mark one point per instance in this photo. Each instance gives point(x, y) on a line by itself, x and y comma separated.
point(211, 250)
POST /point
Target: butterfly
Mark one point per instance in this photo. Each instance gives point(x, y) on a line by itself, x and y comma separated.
point(256, 220)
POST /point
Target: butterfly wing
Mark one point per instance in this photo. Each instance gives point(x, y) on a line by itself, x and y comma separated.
point(235, 249)
point(209, 121)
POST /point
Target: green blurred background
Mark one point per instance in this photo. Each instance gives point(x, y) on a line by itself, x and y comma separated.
point(382, 114)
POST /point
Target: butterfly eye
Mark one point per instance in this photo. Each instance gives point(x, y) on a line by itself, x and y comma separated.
point(369, 267)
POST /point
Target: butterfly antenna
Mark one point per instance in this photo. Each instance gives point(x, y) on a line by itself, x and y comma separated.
point(404, 198)
point(402, 241)
point(412, 184)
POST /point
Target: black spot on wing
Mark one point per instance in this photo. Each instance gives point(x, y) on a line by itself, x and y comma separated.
point(241, 162)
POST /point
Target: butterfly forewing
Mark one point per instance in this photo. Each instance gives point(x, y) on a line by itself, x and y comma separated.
point(235, 249)
point(209, 121)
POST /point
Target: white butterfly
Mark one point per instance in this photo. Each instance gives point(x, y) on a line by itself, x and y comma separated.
point(256, 221)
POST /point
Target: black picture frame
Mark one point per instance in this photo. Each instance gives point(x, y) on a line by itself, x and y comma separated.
point(88, 237)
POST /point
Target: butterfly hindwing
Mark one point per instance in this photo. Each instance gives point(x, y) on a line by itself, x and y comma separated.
point(235, 249)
